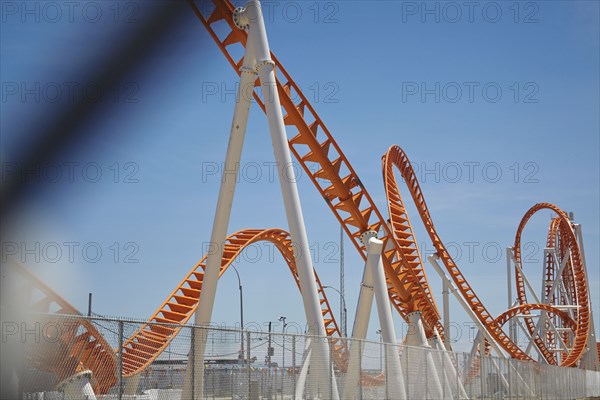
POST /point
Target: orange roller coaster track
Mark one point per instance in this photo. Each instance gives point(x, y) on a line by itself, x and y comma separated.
point(89, 350)
point(79, 347)
point(151, 339)
point(335, 179)
point(316, 150)
point(519, 310)
point(396, 157)
point(576, 274)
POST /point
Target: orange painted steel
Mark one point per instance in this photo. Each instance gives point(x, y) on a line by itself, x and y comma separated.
point(396, 157)
point(316, 150)
point(152, 338)
point(549, 276)
point(89, 350)
point(579, 292)
point(554, 241)
point(526, 308)
point(79, 347)
point(328, 168)
point(503, 318)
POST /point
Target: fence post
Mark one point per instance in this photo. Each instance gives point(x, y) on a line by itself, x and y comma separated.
point(248, 361)
point(405, 356)
point(283, 361)
point(385, 372)
point(193, 359)
point(441, 355)
point(331, 373)
point(294, 367)
point(359, 342)
point(120, 389)
point(481, 370)
point(509, 373)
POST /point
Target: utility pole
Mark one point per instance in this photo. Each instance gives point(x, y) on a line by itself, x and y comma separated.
point(269, 354)
point(342, 284)
point(282, 319)
point(269, 348)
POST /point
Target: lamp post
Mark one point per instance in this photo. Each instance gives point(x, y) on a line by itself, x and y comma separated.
point(241, 311)
point(345, 316)
point(282, 319)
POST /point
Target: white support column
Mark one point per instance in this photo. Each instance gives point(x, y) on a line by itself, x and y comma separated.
point(361, 324)
point(301, 385)
point(470, 313)
point(433, 261)
point(365, 297)
point(252, 16)
point(512, 328)
point(482, 363)
point(422, 374)
point(220, 225)
point(445, 366)
point(131, 385)
point(446, 300)
point(393, 370)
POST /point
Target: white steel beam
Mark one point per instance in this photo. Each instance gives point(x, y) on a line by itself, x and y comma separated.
point(393, 371)
point(433, 261)
point(252, 16)
point(361, 324)
point(203, 314)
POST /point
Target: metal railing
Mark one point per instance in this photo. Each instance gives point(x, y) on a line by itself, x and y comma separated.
point(272, 366)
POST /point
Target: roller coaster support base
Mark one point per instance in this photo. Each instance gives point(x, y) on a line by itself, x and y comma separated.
point(131, 385)
point(393, 371)
point(77, 387)
point(422, 372)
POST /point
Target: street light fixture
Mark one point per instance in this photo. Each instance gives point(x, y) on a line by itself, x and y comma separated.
point(345, 316)
point(241, 311)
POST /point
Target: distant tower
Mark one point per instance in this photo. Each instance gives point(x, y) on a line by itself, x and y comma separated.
point(342, 286)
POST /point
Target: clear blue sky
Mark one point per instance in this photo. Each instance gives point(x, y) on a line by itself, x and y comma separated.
point(378, 73)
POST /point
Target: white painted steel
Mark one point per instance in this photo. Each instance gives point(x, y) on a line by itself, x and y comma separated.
point(393, 371)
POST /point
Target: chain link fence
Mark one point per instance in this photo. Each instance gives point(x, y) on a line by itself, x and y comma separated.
point(55, 356)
